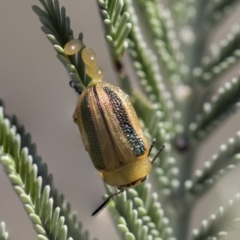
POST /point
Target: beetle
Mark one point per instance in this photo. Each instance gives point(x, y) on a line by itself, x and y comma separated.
point(111, 131)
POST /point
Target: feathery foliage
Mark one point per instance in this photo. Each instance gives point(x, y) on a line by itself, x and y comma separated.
point(117, 25)
point(220, 9)
point(138, 212)
point(225, 160)
point(224, 103)
point(50, 215)
point(161, 24)
point(223, 56)
point(214, 228)
point(56, 26)
point(167, 43)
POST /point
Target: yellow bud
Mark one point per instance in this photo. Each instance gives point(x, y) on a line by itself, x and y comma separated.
point(96, 73)
point(89, 57)
point(73, 46)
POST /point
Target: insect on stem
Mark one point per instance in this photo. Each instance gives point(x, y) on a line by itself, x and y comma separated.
point(105, 203)
point(104, 108)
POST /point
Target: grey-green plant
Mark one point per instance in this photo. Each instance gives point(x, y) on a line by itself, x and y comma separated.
point(175, 70)
point(3, 233)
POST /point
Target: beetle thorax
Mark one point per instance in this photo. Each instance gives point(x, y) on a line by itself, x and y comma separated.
point(128, 175)
point(132, 184)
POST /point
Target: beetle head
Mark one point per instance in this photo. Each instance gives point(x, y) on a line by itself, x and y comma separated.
point(132, 184)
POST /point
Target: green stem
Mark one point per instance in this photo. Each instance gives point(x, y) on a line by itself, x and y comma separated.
point(184, 212)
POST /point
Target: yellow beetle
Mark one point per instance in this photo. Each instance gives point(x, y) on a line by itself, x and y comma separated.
point(111, 131)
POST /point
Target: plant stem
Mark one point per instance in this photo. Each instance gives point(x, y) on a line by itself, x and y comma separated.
point(184, 209)
point(187, 159)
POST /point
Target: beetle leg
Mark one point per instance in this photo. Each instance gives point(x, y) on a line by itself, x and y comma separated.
point(104, 204)
point(151, 147)
point(159, 151)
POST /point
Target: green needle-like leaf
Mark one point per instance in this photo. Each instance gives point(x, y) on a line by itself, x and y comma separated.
point(56, 25)
point(138, 213)
point(222, 105)
point(117, 26)
point(165, 39)
point(221, 163)
point(222, 57)
point(147, 70)
point(218, 10)
point(212, 228)
point(3, 233)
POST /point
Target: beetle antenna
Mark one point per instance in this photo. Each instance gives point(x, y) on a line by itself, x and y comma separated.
point(159, 151)
point(104, 204)
point(152, 145)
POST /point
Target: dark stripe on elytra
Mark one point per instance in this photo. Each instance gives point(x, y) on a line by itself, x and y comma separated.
point(104, 118)
point(89, 128)
point(133, 139)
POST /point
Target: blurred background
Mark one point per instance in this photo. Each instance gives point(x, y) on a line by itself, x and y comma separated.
point(34, 86)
